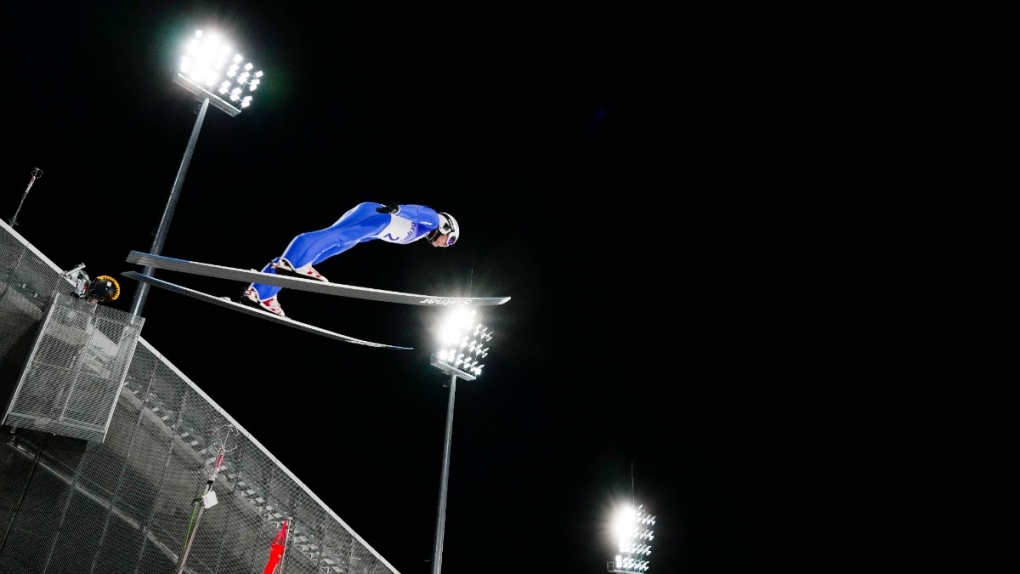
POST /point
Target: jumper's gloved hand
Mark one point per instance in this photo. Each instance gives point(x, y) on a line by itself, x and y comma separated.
point(388, 208)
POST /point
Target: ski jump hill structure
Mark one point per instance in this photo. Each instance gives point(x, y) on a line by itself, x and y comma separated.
point(109, 455)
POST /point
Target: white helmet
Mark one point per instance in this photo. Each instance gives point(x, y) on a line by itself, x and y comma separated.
point(448, 226)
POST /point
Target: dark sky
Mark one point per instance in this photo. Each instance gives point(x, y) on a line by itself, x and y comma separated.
point(719, 305)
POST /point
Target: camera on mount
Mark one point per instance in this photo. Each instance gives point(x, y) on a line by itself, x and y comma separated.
point(102, 289)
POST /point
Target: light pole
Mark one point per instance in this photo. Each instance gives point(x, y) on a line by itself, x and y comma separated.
point(210, 70)
point(36, 174)
point(463, 343)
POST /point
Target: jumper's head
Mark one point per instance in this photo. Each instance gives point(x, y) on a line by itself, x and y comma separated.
point(447, 233)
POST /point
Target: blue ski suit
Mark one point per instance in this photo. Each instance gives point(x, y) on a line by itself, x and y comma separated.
point(363, 222)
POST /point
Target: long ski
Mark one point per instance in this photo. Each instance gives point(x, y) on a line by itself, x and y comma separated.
point(252, 276)
point(227, 303)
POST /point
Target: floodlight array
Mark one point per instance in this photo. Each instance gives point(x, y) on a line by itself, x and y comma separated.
point(464, 342)
point(633, 548)
point(209, 64)
point(634, 536)
point(627, 564)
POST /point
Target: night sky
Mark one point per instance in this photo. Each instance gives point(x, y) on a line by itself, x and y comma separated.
point(720, 306)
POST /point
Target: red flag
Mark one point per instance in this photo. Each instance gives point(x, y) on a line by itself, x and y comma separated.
point(276, 550)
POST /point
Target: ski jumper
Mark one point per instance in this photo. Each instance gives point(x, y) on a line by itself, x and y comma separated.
point(361, 223)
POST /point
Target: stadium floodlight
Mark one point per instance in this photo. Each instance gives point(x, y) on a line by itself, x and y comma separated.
point(634, 535)
point(216, 75)
point(211, 70)
point(463, 344)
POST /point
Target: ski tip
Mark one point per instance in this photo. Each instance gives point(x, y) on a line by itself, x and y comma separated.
point(496, 300)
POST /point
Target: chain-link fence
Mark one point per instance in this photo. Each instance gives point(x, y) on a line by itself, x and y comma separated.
point(129, 504)
point(76, 369)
